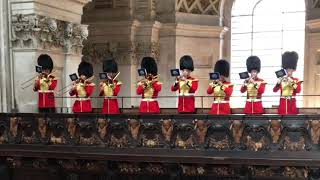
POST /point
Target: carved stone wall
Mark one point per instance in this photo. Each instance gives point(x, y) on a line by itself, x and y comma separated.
point(34, 31)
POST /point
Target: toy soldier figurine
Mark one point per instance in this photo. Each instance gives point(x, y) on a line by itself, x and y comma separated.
point(221, 89)
point(186, 85)
point(110, 87)
point(149, 87)
point(83, 88)
point(45, 84)
point(288, 85)
point(254, 87)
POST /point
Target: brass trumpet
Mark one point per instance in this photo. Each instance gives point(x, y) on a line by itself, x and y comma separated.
point(149, 80)
point(87, 81)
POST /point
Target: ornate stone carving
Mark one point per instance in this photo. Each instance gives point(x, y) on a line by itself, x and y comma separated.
point(274, 129)
point(119, 136)
point(72, 127)
point(14, 125)
point(102, 127)
point(148, 49)
point(28, 133)
point(151, 135)
point(256, 138)
point(57, 132)
point(237, 128)
point(35, 31)
point(134, 128)
point(295, 139)
point(207, 7)
point(88, 135)
point(167, 129)
point(185, 137)
point(314, 131)
point(42, 127)
point(192, 170)
point(201, 128)
point(315, 3)
point(295, 172)
point(123, 52)
point(219, 138)
point(4, 130)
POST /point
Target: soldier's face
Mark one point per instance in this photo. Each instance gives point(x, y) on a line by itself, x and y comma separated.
point(290, 72)
point(46, 71)
point(254, 73)
point(83, 77)
point(186, 72)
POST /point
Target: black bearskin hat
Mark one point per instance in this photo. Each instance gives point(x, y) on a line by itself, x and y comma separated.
point(186, 62)
point(110, 65)
point(86, 69)
point(222, 66)
point(150, 65)
point(45, 61)
point(290, 60)
point(253, 63)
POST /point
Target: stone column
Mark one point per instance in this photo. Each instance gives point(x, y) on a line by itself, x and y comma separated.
point(6, 95)
point(44, 26)
point(312, 64)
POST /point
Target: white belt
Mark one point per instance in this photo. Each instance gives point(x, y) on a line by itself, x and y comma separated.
point(288, 97)
point(148, 99)
point(186, 94)
point(220, 101)
point(253, 100)
point(46, 91)
point(110, 97)
point(82, 99)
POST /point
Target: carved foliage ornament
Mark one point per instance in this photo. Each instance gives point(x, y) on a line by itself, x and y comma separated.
point(205, 7)
point(34, 31)
point(315, 3)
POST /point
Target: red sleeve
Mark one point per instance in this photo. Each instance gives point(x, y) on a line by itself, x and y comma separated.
point(276, 88)
point(298, 89)
point(140, 89)
point(157, 86)
point(210, 90)
point(89, 89)
point(53, 84)
point(228, 90)
point(243, 89)
point(193, 87)
point(261, 88)
point(36, 85)
point(175, 87)
point(116, 90)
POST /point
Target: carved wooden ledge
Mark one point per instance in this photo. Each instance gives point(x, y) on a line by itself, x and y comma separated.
point(168, 145)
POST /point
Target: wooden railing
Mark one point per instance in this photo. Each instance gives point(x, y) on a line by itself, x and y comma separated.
point(94, 146)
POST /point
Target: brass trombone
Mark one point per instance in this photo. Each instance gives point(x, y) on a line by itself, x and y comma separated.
point(76, 82)
point(39, 75)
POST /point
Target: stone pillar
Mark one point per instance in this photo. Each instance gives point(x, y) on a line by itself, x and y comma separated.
point(44, 26)
point(6, 95)
point(312, 64)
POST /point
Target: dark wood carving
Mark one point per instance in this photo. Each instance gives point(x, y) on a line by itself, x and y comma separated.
point(185, 136)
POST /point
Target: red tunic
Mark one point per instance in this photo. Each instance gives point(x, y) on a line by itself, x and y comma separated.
point(288, 91)
point(149, 103)
point(83, 93)
point(110, 93)
point(46, 92)
point(254, 93)
point(186, 94)
point(221, 97)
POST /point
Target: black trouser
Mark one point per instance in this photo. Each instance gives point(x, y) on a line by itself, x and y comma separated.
point(47, 110)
